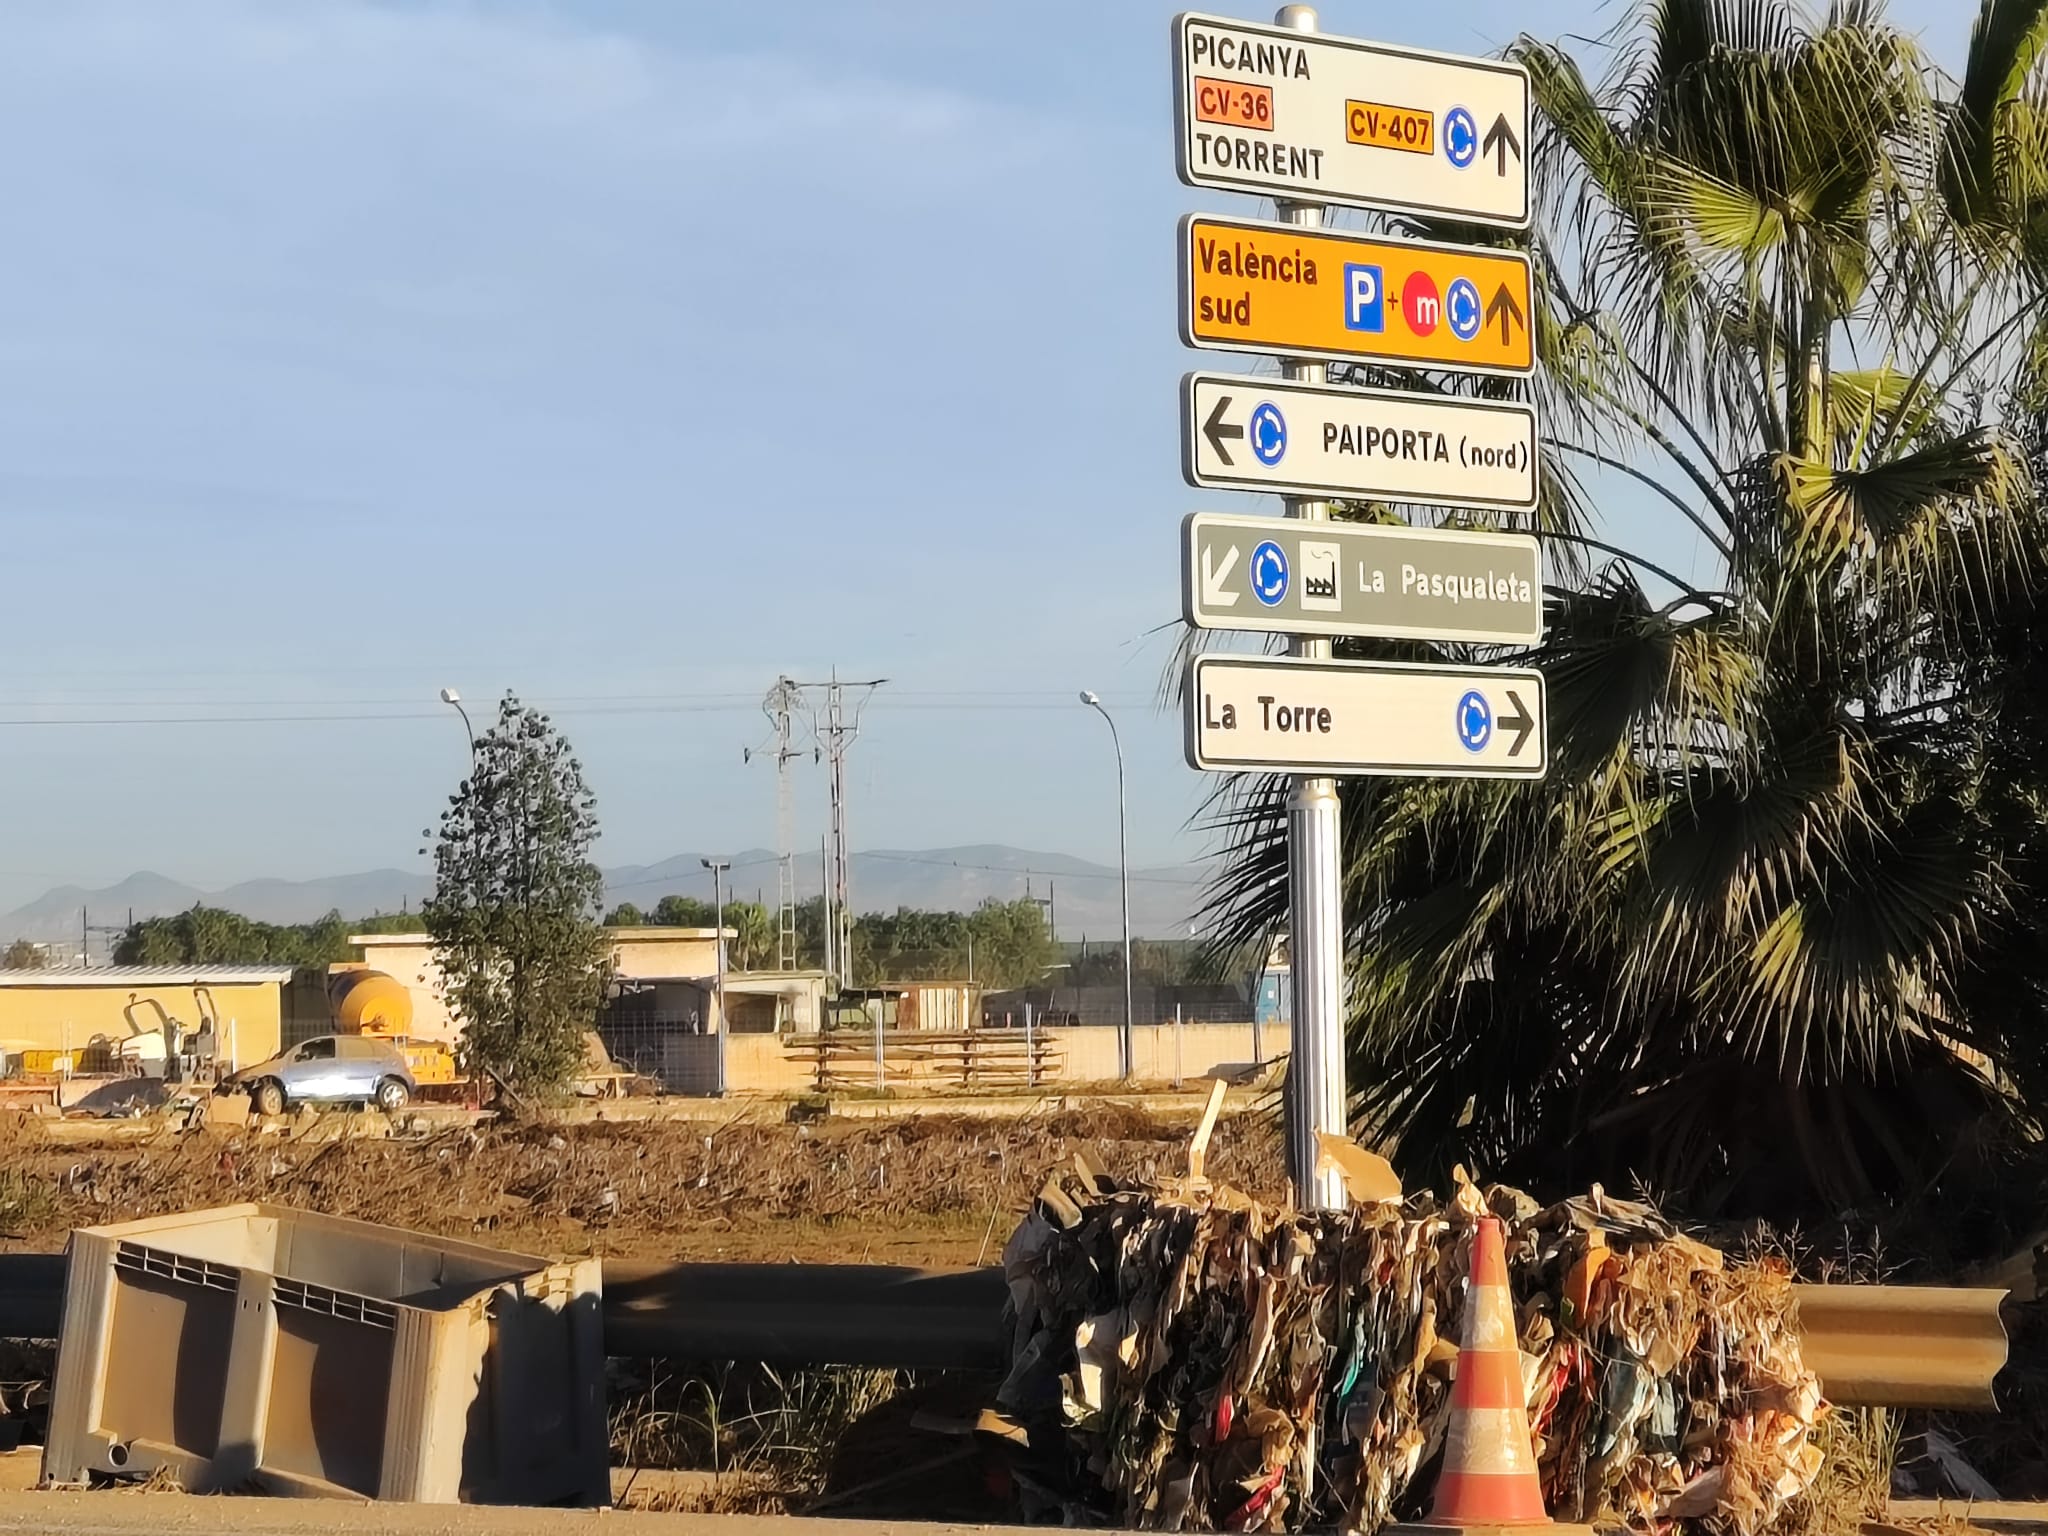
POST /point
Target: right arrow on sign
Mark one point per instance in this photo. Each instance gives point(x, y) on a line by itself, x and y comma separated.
point(1213, 593)
point(1217, 433)
point(1521, 722)
point(1500, 142)
point(1504, 309)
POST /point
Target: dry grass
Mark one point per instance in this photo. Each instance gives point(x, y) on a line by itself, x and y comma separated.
point(1858, 1448)
point(630, 1187)
point(765, 1436)
point(28, 1203)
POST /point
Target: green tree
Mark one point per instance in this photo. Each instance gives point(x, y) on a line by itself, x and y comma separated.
point(1790, 291)
point(752, 945)
point(1154, 962)
point(1012, 946)
point(1002, 944)
point(24, 955)
point(683, 912)
point(213, 936)
point(514, 912)
point(624, 915)
point(387, 922)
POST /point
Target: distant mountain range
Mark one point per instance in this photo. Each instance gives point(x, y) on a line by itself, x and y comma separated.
point(1084, 895)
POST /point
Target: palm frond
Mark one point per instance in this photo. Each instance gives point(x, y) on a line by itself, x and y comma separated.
point(1885, 504)
point(1986, 176)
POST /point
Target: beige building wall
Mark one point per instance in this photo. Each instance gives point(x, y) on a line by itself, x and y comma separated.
point(636, 953)
point(641, 952)
point(74, 1017)
point(409, 958)
point(1165, 1054)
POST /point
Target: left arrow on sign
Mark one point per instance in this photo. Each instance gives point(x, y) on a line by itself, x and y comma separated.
point(1216, 431)
point(1521, 722)
point(1213, 595)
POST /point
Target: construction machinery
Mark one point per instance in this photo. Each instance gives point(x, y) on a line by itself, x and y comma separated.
point(367, 1002)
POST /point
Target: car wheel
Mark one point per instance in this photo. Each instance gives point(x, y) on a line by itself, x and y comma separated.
point(268, 1098)
point(391, 1095)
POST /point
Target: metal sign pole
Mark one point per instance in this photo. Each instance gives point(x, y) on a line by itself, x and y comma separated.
point(1315, 908)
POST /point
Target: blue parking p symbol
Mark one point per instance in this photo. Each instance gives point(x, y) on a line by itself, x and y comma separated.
point(1365, 298)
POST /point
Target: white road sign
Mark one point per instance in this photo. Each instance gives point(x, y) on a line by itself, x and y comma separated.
point(1289, 576)
point(1353, 718)
point(1247, 434)
point(1279, 113)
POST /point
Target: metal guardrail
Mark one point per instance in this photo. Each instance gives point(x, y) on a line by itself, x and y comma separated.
point(807, 1314)
point(1904, 1346)
point(1893, 1346)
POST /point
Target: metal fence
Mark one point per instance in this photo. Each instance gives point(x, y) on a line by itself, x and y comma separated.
point(1087, 1007)
point(672, 1050)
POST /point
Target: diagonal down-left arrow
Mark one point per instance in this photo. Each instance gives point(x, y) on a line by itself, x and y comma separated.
point(1213, 595)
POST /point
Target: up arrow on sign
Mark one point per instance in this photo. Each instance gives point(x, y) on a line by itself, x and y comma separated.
point(1500, 142)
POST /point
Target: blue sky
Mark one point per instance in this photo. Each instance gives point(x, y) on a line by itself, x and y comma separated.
point(625, 352)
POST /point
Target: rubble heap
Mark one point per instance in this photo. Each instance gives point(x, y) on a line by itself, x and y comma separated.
point(1207, 1358)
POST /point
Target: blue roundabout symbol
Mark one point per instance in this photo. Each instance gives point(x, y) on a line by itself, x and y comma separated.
point(1462, 308)
point(1461, 137)
point(1269, 573)
point(1268, 433)
point(1475, 721)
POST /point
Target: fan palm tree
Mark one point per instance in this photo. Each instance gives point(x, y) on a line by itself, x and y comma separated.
point(1766, 936)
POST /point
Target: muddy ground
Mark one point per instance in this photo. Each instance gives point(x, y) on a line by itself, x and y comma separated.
point(931, 1190)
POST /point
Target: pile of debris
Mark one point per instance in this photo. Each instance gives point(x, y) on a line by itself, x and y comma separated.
point(1211, 1363)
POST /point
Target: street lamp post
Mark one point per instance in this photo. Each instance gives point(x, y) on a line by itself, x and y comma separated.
point(718, 867)
point(451, 697)
point(1126, 1046)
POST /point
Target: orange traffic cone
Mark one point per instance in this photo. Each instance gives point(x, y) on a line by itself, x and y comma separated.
point(1488, 1479)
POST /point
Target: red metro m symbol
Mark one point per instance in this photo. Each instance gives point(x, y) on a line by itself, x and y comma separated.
point(1421, 305)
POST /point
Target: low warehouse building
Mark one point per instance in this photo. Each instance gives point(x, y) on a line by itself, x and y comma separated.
point(98, 1014)
point(644, 955)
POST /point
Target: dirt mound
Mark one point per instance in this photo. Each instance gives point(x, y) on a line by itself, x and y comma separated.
point(928, 1189)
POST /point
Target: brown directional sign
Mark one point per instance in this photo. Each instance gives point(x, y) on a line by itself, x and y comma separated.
point(1288, 576)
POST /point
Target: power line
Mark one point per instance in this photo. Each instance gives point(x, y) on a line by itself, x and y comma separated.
point(911, 858)
point(780, 705)
point(1050, 874)
point(933, 704)
point(937, 696)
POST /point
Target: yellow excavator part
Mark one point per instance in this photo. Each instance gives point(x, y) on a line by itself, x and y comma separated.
point(429, 1061)
point(369, 1003)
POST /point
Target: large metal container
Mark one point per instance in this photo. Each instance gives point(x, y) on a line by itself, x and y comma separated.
point(949, 1005)
point(255, 1346)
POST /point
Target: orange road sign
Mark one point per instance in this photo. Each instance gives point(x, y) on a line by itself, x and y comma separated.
point(1249, 286)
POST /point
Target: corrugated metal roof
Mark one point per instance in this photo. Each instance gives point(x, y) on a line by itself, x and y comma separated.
point(148, 976)
point(637, 933)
